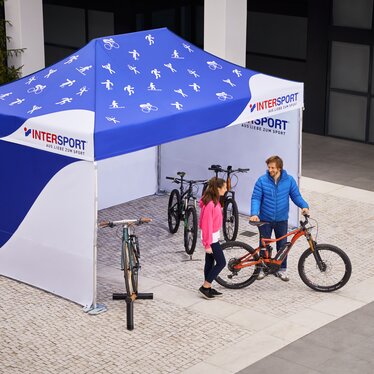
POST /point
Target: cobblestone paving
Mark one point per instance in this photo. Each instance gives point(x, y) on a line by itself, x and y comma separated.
point(42, 333)
point(341, 222)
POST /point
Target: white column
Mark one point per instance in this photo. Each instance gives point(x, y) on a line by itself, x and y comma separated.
point(225, 29)
point(26, 31)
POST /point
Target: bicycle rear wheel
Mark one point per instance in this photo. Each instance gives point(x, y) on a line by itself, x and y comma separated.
point(230, 220)
point(334, 272)
point(174, 208)
point(131, 267)
point(232, 276)
point(190, 230)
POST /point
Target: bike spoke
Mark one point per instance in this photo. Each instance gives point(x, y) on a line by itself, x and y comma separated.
point(232, 276)
point(333, 274)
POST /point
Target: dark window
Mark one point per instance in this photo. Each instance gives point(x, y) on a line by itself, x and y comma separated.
point(69, 25)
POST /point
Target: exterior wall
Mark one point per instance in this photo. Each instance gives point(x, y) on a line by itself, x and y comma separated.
point(225, 29)
point(26, 31)
point(312, 41)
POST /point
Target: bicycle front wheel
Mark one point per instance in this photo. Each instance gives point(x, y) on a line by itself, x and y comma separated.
point(174, 208)
point(238, 273)
point(190, 230)
point(131, 267)
point(230, 220)
point(332, 272)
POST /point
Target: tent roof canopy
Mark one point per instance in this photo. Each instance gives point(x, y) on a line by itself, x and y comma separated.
point(127, 92)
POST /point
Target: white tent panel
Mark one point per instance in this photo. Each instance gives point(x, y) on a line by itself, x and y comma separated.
point(270, 96)
point(127, 177)
point(242, 146)
point(53, 247)
point(44, 132)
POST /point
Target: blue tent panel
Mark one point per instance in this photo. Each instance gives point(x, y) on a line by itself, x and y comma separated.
point(145, 88)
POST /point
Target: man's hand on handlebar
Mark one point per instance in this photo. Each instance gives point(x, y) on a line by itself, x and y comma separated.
point(305, 212)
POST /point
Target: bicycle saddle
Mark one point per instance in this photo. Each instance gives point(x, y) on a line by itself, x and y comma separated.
point(258, 223)
point(181, 173)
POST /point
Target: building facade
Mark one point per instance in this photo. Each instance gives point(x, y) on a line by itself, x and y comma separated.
point(327, 44)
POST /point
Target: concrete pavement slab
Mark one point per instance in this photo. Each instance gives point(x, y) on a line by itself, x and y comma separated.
point(44, 333)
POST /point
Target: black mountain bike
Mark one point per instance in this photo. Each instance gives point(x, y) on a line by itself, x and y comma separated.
point(230, 225)
point(182, 206)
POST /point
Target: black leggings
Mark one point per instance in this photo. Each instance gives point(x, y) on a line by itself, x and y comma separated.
point(211, 270)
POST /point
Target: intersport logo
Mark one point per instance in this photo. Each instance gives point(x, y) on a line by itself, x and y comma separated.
point(274, 102)
point(52, 138)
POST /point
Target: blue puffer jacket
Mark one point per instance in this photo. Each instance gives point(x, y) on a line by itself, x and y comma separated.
point(271, 201)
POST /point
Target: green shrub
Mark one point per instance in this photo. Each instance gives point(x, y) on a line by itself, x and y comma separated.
point(7, 73)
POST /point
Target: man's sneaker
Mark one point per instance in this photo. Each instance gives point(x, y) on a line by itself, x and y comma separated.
point(215, 293)
point(206, 292)
point(282, 274)
point(261, 275)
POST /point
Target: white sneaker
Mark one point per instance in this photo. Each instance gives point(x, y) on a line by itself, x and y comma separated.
point(261, 275)
point(282, 274)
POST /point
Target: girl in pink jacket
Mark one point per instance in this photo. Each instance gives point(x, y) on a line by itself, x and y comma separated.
point(210, 224)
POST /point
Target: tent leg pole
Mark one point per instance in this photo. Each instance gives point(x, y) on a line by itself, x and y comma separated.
point(96, 207)
point(300, 151)
point(95, 308)
point(159, 191)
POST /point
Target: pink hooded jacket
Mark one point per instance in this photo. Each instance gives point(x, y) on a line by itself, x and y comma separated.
point(210, 221)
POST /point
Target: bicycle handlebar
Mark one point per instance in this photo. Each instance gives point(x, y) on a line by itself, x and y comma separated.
point(220, 169)
point(175, 180)
point(306, 220)
point(261, 223)
point(178, 180)
point(124, 222)
point(215, 167)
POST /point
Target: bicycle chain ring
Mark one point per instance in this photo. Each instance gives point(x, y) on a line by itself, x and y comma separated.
point(231, 263)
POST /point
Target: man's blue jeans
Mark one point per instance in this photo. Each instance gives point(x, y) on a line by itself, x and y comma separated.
point(280, 229)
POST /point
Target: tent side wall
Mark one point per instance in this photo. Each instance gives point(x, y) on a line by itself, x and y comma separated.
point(47, 221)
point(127, 177)
point(242, 146)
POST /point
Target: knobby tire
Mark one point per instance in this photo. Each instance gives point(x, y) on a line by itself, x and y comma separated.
point(237, 278)
point(174, 208)
point(336, 268)
point(190, 230)
point(230, 220)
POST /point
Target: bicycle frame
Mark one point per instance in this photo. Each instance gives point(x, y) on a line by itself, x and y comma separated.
point(248, 260)
point(187, 196)
point(127, 237)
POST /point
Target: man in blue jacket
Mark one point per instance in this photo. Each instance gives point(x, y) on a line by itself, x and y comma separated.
point(270, 203)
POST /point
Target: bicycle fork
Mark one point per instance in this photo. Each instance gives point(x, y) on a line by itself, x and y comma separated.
point(312, 244)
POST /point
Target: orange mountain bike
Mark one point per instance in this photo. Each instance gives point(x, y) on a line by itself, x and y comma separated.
point(322, 267)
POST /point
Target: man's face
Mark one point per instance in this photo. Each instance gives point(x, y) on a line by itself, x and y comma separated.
point(273, 170)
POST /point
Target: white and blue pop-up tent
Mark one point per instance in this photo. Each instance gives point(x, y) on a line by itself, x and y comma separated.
point(96, 119)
